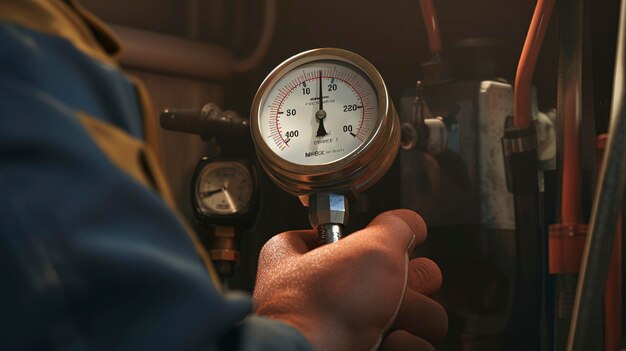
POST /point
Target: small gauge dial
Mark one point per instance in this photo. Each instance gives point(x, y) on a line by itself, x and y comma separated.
point(224, 188)
point(319, 113)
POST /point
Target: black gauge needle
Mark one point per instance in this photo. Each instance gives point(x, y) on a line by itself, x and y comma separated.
point(211, 192)
point(321, 114)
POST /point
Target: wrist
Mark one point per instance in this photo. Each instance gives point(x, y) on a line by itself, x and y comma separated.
point(323, 335)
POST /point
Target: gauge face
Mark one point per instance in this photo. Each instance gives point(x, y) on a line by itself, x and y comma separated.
point(322, 121)
point(318, 113)
point(224, 188)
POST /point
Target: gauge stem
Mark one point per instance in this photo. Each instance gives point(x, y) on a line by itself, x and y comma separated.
point(329, 233)
point(328, 213)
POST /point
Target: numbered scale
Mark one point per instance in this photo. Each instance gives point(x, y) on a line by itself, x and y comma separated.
point(325, 130)
point(224, 197)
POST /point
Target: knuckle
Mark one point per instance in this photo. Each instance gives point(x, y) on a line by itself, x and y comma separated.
point(273, 243)
point(381, 256)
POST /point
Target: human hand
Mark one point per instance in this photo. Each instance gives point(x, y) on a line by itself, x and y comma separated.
point(350, 294)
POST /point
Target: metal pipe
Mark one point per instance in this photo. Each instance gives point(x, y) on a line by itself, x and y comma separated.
point(524, 332)
point(329, 233)
point(269, 22)
point(613, 293)
point(328, 213)
point(432, 26)
point(162, 53)
point(208, 122)
point(528, 60)
point(520, 153)
point(567, 236)
point(604, 217)
point(569, 107)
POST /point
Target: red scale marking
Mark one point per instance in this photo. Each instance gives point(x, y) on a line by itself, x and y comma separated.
point(363, 132)
point(309, 76)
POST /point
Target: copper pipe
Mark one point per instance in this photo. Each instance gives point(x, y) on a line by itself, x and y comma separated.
point(528, 60)
point(432, 26)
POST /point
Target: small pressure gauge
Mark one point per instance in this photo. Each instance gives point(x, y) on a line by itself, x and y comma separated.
point(224, 192)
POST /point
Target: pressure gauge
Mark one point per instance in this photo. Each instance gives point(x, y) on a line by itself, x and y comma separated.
point(323, 120)
point(323, 123)
point(224, 191)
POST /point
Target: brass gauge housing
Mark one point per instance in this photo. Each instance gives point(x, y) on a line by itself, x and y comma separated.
point(323, 121)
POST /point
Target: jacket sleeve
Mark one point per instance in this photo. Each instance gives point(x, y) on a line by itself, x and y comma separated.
point(91, 255)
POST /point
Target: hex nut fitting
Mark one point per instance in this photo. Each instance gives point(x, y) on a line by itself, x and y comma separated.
point(328, 207)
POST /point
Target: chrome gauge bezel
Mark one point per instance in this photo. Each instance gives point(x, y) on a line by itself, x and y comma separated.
point(355, 172)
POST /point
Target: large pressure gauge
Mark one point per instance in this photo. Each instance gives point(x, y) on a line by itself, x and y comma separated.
point(323, 119)
point(322, 122)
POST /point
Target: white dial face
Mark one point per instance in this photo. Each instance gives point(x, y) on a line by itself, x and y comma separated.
point(319, 113)
point(224, 188)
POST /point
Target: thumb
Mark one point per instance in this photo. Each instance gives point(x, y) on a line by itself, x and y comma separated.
point(401, 230)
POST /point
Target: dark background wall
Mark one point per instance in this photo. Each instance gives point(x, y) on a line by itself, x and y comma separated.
point(391, 35)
